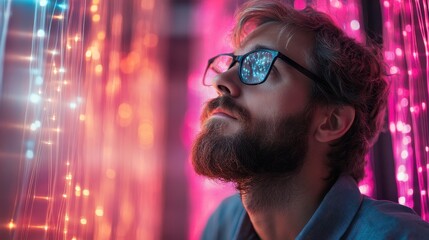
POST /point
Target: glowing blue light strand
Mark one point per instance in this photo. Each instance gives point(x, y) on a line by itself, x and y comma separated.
point(35, 114)
point(4, 24)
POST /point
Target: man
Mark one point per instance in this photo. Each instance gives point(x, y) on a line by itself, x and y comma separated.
point(299, 104)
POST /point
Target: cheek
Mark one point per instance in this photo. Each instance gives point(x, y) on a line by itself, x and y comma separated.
point(279, 104)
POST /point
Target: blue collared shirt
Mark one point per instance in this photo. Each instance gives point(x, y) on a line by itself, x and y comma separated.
point(344, 213)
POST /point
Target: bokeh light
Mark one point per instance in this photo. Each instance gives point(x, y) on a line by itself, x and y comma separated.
point(406, 53)
point(80, 178)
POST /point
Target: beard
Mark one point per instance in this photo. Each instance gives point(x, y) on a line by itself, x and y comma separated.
point(261, 154)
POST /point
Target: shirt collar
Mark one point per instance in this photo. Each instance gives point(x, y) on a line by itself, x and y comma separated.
point(331, 219)
point(337, 209)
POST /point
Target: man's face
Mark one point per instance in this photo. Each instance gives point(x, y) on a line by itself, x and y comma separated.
point(260, 131)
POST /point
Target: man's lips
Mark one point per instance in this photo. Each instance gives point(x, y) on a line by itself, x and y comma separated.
point(223, 113)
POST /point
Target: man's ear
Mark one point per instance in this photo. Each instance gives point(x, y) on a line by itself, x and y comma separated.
point(335, 123)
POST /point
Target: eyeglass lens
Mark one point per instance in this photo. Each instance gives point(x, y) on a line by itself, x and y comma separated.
point(219, 65)
point(254, 67)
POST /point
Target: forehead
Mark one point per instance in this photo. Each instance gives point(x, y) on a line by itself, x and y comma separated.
point(294, 43)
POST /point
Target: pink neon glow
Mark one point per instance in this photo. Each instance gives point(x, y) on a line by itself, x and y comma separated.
point(411, 125)
point(214, 18)
point(92, 166)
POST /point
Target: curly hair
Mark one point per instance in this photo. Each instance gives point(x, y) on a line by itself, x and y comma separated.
point(354, 72)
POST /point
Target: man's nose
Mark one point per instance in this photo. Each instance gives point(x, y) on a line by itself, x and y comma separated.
point(228, 83)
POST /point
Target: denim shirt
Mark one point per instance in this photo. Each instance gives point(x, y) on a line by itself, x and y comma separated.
point(344, 213)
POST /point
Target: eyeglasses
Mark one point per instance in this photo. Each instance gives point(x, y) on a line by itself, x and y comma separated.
point(254, 67)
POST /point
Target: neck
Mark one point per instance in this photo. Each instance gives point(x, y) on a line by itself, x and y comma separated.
point(280, 207)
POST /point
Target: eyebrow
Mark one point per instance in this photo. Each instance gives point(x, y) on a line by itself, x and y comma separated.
point(260, 46)
point(257, 47)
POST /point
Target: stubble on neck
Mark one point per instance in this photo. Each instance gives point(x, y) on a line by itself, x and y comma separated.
point(268, 193)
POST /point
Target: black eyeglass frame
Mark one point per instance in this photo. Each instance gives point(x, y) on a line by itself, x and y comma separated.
point(276, 54)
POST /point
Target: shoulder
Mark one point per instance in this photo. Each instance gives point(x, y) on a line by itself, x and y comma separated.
point(388, 220)
point(226, 219)
point(230, 206)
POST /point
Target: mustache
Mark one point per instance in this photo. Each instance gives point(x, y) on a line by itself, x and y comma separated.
point(227, 103)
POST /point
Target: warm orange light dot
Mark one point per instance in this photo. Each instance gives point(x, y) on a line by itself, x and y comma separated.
point(125, 111)
point(101, 35)
point(99, 212)
point(78, 191)
point(94, 8)
point(82, 117)
point(11, 225)
point(83, 221)
point(125, 115)
point(59, 17)
point(67, 218)
point(96, 18)
point(98, 69)
point(85, 192)
point(95, 53)
point(88, 53)
point(145, 133)
point(130, 63)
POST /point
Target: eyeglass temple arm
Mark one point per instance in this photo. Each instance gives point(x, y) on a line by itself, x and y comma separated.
point(327, 86)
